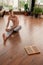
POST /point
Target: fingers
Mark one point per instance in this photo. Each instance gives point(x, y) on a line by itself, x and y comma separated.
point(7, 30)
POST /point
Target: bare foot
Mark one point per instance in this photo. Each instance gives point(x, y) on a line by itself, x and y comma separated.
point(4, 37)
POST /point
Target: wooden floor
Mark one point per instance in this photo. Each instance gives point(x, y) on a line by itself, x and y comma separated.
point(13, 53)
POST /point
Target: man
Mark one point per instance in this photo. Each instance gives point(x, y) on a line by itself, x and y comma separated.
point(12, 25)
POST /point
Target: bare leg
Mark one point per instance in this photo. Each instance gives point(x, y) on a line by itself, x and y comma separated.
point(6, 35)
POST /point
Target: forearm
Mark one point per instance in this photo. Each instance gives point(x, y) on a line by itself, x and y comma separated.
point(7, 24)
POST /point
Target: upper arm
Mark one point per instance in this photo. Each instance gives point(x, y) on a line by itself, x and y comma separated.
point(9, 18)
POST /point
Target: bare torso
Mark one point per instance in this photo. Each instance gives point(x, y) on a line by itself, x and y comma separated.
point(14, 20)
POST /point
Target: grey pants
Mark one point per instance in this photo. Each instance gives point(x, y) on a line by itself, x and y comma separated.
point(10, 32)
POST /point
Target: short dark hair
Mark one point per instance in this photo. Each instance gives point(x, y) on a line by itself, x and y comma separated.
point(10, 10)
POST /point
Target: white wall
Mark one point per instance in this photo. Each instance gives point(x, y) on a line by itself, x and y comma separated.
point(40, 3)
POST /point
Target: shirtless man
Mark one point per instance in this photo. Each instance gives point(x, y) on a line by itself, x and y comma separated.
point(14, 27)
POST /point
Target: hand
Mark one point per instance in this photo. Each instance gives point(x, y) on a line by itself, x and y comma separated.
point(7, 29)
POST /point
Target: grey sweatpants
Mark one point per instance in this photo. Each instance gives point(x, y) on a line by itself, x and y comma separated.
point(10, 32)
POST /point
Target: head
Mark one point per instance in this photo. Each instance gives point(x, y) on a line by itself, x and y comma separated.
point(10, 12)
